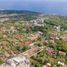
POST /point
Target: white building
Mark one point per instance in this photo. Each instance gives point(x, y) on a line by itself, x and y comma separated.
point(19, 61)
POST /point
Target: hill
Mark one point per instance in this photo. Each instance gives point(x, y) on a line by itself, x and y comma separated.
point(18, 14)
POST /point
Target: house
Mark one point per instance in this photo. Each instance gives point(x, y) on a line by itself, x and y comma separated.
point(47, 65)
point(45, 42)
point(64, 37)
point(53, 36)
point(65, 31)
point(50, 51)
point(19, 36)
point(62, 53)
point(26, 43)
point(6, 54)
point(61, 63)
point(31, 51)
point(65, 66)
point(3, 29)
point(12, 29)
point(4, 19)
point(34, 37)
point(52, 41)
point(4, 36)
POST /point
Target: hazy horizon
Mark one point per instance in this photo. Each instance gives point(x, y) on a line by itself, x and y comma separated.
point(45, 6)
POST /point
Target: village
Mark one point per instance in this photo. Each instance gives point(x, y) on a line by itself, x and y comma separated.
point(27, 44)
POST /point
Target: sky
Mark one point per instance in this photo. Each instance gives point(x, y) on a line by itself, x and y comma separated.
point(45, 6)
